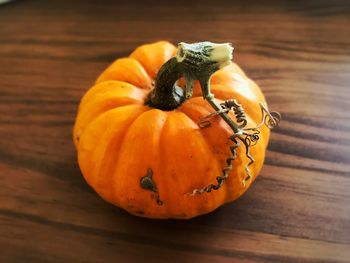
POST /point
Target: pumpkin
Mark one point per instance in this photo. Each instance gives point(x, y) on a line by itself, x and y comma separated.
point(150, 142)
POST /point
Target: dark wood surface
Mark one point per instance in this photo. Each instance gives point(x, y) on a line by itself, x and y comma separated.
point(298, 210)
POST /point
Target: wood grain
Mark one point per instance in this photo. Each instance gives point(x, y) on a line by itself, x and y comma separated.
point(298, 210)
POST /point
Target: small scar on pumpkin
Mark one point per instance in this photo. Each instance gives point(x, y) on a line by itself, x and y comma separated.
point(147, 183)
point(78, 134)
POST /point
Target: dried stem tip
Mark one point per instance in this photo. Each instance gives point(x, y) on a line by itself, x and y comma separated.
point(205, 52)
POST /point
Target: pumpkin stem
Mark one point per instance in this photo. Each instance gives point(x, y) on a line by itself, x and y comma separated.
point(197, 61)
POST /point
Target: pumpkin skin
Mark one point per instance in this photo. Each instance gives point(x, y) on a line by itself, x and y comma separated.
point(118, 139)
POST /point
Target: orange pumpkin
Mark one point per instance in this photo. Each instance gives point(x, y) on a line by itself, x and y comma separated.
point(149, 160)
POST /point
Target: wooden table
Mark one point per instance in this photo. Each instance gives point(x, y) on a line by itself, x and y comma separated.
point(298, 210)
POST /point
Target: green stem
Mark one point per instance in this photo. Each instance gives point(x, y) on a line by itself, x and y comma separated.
point(196, 61)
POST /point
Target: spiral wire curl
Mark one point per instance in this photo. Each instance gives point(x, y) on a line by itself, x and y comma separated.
point(248, 136)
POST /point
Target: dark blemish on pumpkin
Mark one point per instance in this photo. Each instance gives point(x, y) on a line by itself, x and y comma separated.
point(140, 212)
point(78, 135)
point(147, 183)
point(155, 196)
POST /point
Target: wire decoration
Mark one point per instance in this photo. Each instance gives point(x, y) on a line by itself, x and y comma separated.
point(248, 136)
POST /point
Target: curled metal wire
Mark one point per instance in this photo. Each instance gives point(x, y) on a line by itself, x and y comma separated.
point(238, 110)
point(248, 136)
point(227, 105)
point(205, 121)
point(222, 178)
point(272, 119)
